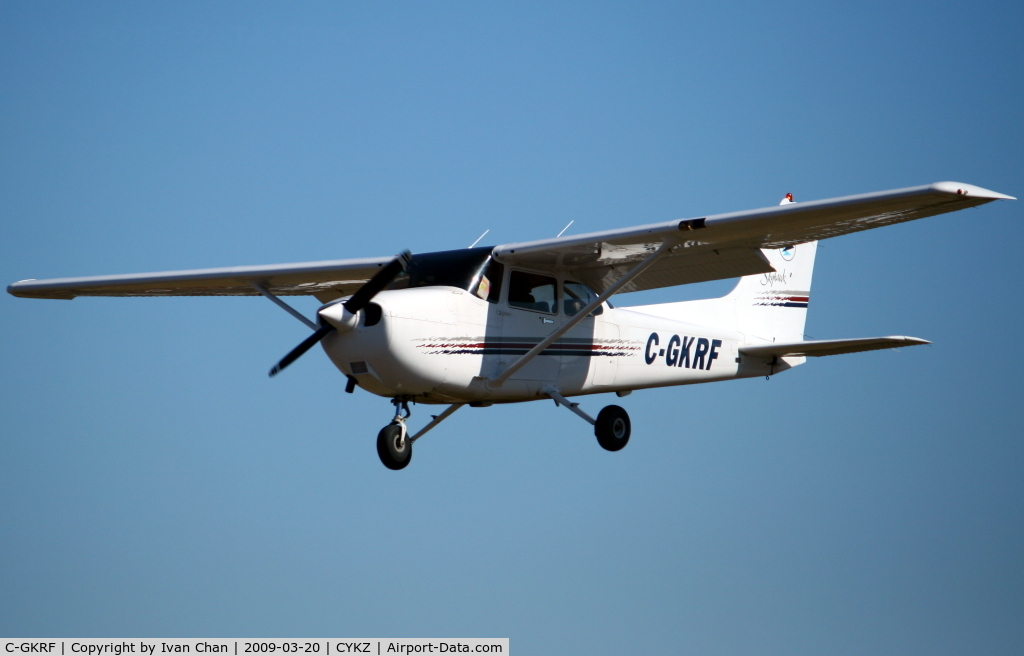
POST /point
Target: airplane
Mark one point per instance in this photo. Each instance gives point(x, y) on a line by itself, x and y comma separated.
point(533, 320)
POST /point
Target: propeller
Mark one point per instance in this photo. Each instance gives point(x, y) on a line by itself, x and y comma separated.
point(352, 306)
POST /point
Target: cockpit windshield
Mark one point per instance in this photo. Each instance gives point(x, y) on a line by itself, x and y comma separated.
point(470, 269)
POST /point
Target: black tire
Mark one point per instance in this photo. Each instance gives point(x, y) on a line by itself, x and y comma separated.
point(391, 454)
point(612, 428)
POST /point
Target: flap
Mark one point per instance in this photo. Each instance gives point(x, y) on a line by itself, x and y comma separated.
point(681, 269)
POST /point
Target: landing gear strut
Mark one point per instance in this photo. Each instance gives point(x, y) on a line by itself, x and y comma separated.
point(393, 445)
point(611, 427)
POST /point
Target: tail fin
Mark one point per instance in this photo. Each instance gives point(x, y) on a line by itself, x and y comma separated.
point(773, 306)
point(766, 307)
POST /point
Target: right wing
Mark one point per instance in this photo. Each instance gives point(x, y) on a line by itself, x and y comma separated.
point(728, 245)
point(326, 280)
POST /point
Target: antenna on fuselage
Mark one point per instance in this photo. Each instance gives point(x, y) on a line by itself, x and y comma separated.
point(565, 228)
point(478, 239)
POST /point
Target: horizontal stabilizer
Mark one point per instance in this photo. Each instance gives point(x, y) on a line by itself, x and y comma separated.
point(818, 348)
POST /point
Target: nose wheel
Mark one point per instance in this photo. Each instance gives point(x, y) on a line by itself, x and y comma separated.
point(393, 444)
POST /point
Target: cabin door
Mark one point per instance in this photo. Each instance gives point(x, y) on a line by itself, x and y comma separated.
point(529, 314)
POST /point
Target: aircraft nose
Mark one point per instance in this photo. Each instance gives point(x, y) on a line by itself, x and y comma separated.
point(338, 316)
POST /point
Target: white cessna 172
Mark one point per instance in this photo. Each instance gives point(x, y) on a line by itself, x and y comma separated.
point(530, 321)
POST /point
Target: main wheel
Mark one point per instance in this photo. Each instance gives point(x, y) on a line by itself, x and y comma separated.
point(394, 452)
point(612, 428)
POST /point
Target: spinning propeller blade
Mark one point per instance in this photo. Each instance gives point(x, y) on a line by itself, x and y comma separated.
point(304, 346)
point(378, 282)
point(357, 302)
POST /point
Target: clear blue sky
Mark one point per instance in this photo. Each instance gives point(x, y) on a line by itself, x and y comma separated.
point(155, 482)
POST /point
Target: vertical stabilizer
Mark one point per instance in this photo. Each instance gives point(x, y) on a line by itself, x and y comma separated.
point(773, 306)
point(765, 307)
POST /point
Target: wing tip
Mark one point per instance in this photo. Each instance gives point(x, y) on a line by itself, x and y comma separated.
point(24, 289)
point(970, 191)
point(908, 341)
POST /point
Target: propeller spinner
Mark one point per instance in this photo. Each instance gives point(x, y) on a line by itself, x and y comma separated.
point(352, 306)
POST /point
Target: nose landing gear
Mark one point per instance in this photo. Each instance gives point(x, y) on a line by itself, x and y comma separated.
point(393, 445)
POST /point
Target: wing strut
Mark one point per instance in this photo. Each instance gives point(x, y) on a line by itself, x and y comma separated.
point(557, 397)
point(666, 246)
point(284, 306)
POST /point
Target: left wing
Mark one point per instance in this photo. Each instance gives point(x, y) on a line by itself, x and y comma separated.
point(821, 347)
point(728, 245)
point(326, 280)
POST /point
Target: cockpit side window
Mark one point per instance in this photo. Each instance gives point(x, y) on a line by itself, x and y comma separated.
point(577, 296)
point(532, 291)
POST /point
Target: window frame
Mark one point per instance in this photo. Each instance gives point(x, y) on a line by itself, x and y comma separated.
point(507, 291)
point(498, 284)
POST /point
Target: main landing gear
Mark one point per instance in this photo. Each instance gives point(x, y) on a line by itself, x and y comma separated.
point(394, 444)
point(611, 427)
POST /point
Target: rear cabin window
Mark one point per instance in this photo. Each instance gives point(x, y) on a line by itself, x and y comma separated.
point(532, 291)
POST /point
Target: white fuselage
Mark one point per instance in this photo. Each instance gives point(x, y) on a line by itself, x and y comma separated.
point(441, 344)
